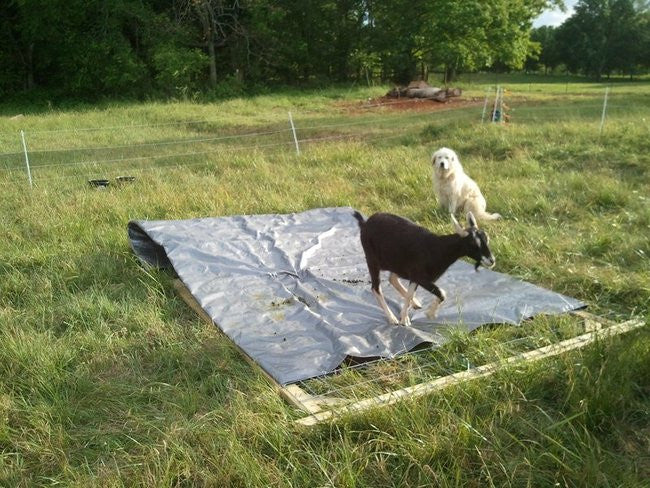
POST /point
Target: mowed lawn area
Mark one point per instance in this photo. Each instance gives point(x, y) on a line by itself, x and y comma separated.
point(107, 378)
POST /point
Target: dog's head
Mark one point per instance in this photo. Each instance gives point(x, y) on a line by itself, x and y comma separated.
point(444, 161)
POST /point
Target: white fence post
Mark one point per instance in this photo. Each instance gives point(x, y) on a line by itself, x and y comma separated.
point(602, 118)
point(295, 138)
point(29, 172)
point(496, 101)
point(487, 96)
point(501, 104)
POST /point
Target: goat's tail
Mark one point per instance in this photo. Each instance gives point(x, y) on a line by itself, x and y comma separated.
point(359, 218)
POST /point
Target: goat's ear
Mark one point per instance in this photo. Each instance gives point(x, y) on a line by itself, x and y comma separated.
point(459, 230)
point(471, 221)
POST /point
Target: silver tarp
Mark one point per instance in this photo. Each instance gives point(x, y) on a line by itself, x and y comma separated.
point(293, 290)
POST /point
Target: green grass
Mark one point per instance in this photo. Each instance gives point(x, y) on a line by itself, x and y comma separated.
point(108, 379)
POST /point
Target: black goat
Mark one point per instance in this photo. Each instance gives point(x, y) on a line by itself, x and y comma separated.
point(410, 251)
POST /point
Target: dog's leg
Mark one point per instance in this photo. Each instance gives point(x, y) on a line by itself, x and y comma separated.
point(404, 316)
point(393, 279)
point(384, 306)
point(453, 206)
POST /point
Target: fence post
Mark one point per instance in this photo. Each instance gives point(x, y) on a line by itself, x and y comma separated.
point(602, 117)
point(496, 101)
point(487, 96)
point(29, 172)
point(295, 138)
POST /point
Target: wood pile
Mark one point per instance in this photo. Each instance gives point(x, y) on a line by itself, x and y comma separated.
point(421, 89)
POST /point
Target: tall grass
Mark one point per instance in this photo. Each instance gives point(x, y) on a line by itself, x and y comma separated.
point(108, 379)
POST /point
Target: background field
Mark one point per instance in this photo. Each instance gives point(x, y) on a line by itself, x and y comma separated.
point(107, 378)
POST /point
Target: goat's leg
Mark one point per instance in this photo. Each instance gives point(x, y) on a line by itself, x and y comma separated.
point(440, 295)
point(384, 306)
point(376, 290)
point(393, 279)
point(374, 270)
point(404, 316)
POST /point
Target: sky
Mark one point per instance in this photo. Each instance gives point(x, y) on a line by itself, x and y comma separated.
point(555, 17)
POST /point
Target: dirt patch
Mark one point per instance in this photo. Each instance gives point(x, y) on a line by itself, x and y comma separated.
point(408, 104)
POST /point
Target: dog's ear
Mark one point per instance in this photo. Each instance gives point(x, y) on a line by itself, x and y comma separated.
point(471, 221)
point(457, 228)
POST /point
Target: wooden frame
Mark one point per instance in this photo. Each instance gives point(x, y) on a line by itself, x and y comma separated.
point(321, 408)
point(292, 394)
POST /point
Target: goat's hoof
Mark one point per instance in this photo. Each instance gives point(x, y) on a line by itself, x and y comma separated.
point(393, 321)
point(416, 303)
point(406, 323)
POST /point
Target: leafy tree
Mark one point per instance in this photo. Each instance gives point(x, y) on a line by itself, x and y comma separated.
point(601, 36)
point(548, 55)
point(133, 46)
point(457, 34)
point(643, 57)
point(218, 23)
point(391, 31)
point(474, 34)
point(78, 46)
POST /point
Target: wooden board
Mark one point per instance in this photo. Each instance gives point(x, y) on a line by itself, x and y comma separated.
point(293, 394)
point(471, 374)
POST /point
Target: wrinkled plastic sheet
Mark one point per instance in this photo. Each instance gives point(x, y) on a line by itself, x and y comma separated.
point(293, 290)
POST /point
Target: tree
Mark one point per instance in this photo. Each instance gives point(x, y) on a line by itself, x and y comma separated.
point(218, 21)
point(643, 58)
point(474, 34)
point(78, 47)
point(601, 36)
point(548, 56)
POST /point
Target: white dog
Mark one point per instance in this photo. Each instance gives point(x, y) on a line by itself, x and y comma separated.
point(455, 190)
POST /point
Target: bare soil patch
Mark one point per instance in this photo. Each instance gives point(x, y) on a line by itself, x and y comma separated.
point(409, 104)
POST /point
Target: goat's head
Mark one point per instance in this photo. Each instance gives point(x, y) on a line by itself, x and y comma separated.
point(476, 240)
point(444, 162)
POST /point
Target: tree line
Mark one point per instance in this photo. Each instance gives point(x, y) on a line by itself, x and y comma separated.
point(178, 47)
point(601, 38)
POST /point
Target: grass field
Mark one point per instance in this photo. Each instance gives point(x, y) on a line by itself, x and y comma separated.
point(108, 379)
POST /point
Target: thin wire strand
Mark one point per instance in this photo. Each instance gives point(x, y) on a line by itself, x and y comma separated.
point(460, 112)
point(179, 166)
point(164, 124)
point(163, 156)
point(149, 144)
point(208, 120)
point(118, 127)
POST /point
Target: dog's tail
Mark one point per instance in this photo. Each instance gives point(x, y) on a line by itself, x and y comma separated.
point(359, 218)
point(487, 216)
